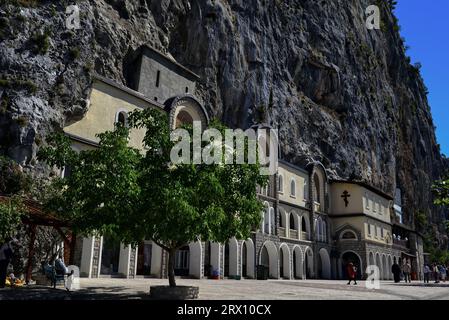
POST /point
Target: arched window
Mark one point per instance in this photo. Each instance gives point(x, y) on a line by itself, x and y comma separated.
point(324, 231)
point(292, 222)
point(121, 118)
point(348, 235)
point(317, 195)
point(272, 223)
point(293, 188)
point(281, 183)
point(318, 229)
point(303, 225)
point(183, 118)
point(306, 191)
point(267, 221)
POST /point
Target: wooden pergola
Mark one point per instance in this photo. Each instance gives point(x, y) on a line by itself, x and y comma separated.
point(36, 216)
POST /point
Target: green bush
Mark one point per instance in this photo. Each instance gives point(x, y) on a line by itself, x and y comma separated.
point(41, 42)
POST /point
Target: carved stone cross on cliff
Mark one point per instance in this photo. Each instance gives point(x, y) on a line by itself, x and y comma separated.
point(345, 196)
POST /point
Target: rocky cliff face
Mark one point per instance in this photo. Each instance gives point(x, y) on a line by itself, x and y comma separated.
point(339, 93)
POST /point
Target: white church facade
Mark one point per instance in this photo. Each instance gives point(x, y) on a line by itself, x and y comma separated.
point(311, 226)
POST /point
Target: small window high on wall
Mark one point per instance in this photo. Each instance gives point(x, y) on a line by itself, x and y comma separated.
point(158, 78)
point(122, 118)
point(281, 184)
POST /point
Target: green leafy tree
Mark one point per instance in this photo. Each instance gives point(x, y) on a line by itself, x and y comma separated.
point(441, 192)
point(11, 212)
point(13, 183)
point(115, 189)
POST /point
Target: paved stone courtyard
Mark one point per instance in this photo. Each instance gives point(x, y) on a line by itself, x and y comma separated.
point(107, 288)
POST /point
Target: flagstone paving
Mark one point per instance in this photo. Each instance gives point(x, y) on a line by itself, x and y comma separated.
point(111, 288)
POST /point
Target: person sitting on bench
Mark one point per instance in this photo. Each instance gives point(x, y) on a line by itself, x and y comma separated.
point(61, 268)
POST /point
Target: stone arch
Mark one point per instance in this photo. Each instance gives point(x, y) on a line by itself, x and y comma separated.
point(305, 222)
point(298, 263)
point(371, 261)
point(196, 259)
point(121, 117)
point(384, 274)
point(268, 256)
point(390, 264)
point(351, 256)
point(325, 264)
point(348, 234)
point(308, 263)
point(247, 257)
point(284, 261)
point(186, 107)
point(282, 218)
point(379, 264)
point(234, 257)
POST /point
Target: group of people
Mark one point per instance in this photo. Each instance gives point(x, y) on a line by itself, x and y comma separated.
point(404, 271)
point(438, 272)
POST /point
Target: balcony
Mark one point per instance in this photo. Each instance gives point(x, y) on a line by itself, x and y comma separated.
point(401, 243)
point(293, 234)
point(281, 232)
point(304, 236)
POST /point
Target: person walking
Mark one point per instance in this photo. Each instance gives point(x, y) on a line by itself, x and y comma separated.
point(436, 273)
point(442, 272)
point(6, 254)
point(352, 273)
point(407, 268)
point(426, 273)
point(396, 270)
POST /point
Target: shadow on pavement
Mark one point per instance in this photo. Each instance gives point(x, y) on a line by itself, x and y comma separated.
point(91, 293)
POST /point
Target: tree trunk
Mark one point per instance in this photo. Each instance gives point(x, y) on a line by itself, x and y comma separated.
point(171, 267)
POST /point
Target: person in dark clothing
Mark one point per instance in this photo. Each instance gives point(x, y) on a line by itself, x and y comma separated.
point(6, 254)
point(396, 270)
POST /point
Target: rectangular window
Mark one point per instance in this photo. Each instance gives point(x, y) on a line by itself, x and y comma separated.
point(369, 230)
point(158, 78)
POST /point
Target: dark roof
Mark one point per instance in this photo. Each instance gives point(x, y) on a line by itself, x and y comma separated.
point(367, 186)
point(292, 166)
point(36, 214)
point(170, 60)
point(123, 88)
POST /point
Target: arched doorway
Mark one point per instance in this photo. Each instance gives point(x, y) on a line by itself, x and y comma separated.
point(298, 263)
point(233, 257)
point(390, 264)
point(324, 266)
point(308, 263)
point(371, 259)
point(350, 256)
point(269, 258)
point(110, 256)
point(379, 264)
point(248, 259)
point(182, 261)
point(144, 252)
point(195, 260)
point(284, 261)
point(384, 268)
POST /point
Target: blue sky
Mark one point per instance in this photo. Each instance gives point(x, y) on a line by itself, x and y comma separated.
point(425, 27)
